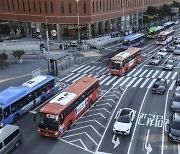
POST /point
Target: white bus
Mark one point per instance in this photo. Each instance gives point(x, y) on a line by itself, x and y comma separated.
point(165, 37)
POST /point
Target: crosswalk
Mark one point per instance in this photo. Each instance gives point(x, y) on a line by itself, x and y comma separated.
point(135, 78)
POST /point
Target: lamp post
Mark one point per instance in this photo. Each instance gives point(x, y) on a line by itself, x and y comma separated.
point(142, 11)
point(77, 6)
point(123, 18)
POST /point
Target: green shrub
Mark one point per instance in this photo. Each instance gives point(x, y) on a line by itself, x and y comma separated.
point(18, 53)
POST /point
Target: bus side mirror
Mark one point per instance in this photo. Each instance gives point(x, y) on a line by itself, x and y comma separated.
point(35, 116)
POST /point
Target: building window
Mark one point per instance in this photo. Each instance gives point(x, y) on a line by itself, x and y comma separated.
point(29, 6)
point(103, 5)
point(13, 4)
point(34, 6)
point(45, 5)
point(18, 4)
point(62, 7)
point(23, 5)
point(93, 6)
point(113, 4)
point(8, 4)
point(70, 9)
point(40, 6)
point(107, 5)
point(3, 4)
point(51, 7)
point(100, 6)
point(96, 6)
point(110, 4)
point(84, 6)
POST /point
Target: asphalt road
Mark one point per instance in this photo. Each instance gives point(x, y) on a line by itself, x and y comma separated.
point(92, 132)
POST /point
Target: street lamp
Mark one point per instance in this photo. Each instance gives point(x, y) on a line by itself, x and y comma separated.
point(123, 18)
point(77, 6)
point(142, 11)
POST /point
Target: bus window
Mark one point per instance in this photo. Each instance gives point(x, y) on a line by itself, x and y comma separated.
point(1, 115)
point(6, 112)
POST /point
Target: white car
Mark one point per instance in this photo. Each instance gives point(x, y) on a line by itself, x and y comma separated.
point(162, 53)
point(124, 120)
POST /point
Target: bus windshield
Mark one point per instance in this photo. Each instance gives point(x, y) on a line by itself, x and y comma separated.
point(49, 122)
point(115, 65)
point(1, 115)
point(152, 32)
point(126, 42)
point(161, 38)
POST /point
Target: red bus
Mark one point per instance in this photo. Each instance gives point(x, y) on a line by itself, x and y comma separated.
point(165, 37)
point(61, 112)
point(124, 61)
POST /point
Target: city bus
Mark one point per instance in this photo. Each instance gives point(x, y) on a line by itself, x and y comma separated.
point(132, 40)
point(154, 31)
point(16, 101)
point(165, 36)
point(170, 24)
point(61, 112)
point(124, 61)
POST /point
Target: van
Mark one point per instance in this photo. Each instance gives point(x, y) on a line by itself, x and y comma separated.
point(10, 137)
point(177, 50)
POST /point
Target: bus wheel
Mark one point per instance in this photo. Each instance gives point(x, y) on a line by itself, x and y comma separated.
point(69, 124)
point(17, 144)
point(16, 117)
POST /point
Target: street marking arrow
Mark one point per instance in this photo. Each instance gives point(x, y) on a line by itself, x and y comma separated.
point(148, 147)
point(116, 142)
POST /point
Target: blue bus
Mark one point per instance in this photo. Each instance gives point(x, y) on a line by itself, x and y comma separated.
point(170, 24)
point(16, 101)
point(132, 40)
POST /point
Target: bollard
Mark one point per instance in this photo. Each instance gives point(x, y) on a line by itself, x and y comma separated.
point(66, 66)
point(101, 129)
point(93, 146)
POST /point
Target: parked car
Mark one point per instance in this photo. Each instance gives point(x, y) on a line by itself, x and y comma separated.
point(1, 40)
point(174, 127)
point(175, 103)
point(162, 53)
point(169, 65)
point(177, 50)
point(155, 60)
point(124, 120)
point(178, 80)
point(177, 40)
point(159, 86)
point(169, 48)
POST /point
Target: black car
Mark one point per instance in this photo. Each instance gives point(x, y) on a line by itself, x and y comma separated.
point(175, 104)
point(178, 80)
point(159, 86)
point(174, 127)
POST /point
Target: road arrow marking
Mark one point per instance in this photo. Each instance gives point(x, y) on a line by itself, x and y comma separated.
point(116, 142)
point(148, 147)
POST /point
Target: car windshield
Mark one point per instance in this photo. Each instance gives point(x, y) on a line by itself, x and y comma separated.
point(126, 42)
point(178, 47)
point(124, 119)
point(170, 62)
point(159, 83)
point(176, 98)
point(174, 123)
point(115, 65)
point(48, 121)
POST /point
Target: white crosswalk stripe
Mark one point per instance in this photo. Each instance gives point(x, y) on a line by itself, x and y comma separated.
point(103, 69)
point(174, 75)
point(144, 72)
point(79, 78)
point(172, 85)
point(129, 84)
point(155, 74)
point(104, 80)
point(131, 72)
point(98, 68)
point(137, 72)
point(101, 77)
point(111, 80)
point(118, 81)
point(143, 84)
point(152, 82)
point(78, 68)
point(89, 69)
point(137, 82)
point(160, 76)
point(149, 73)
point(84, 68)
point(66, 77)
point(125, 81)
point(72, 78)
point(167, 75)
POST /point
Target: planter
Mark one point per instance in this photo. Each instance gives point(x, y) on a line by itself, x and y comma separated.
point(19, 61)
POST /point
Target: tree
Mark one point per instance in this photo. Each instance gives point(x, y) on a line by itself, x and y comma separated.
point(4, 56)
point(18, 53)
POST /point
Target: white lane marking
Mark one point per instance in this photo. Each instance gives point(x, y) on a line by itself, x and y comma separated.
point(137, 82)
point(160, 76)
point(155, 74)
point(131, 72)
point(66, 77)
point(78, 68)
point(137, 72)
point(111, 80)
point(97, 68)
point(152, 82)
point(118, 81)
point(143, 73)
point(89, 69)
point(149, 73)
point(174, 75)
point(79, 141)
point(125, 81)
point(167, 75)
point(143, 84)
point(132, 138)
point(102, 69)
point(172, 85)
point(71, 78)
point(105, 80)
point(90, 75)
point(84, 68)
point(129, 84)
point(79, 78)
point(102, 77)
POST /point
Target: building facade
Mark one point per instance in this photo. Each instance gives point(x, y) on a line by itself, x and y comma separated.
point(65, 17)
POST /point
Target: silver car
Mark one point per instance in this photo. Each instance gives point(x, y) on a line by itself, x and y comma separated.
point(177, 50)
point(124, 120)
point(169, 65)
